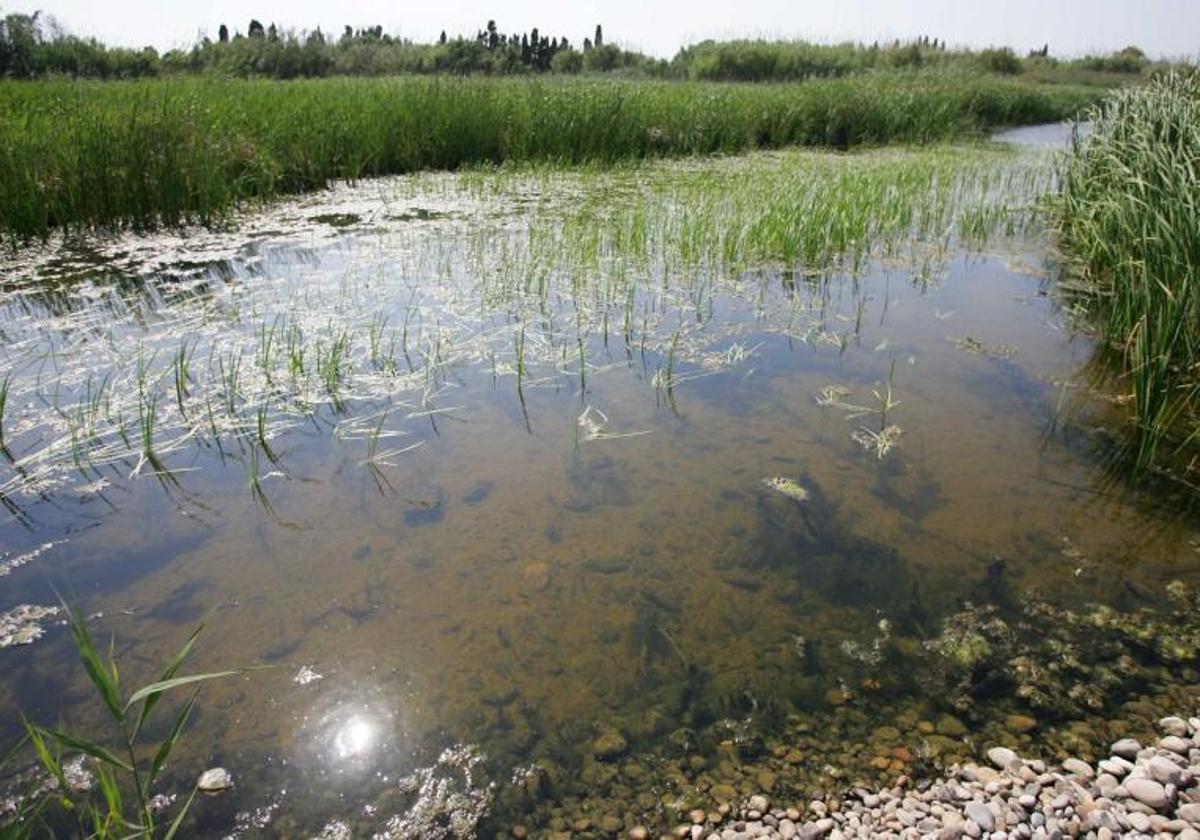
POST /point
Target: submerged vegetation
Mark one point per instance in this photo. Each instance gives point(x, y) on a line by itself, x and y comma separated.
point(1130, 215)
point(560, 279)
point(145, 153)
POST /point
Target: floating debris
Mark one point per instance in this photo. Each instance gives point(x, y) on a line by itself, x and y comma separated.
point(787, 487)
point(977, 348)
point(335, 830)
point(23, 625)
point(593, 421)
point(306, 675)
point(871, 655)
point(881, 442)
point(450, 799)
point(8, 564)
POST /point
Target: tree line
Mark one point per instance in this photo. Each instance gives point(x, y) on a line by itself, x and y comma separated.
point(33, 46)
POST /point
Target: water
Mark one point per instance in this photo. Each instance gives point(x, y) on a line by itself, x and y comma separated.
point(508, 523)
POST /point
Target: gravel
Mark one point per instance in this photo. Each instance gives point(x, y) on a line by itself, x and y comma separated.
point(1151, 792)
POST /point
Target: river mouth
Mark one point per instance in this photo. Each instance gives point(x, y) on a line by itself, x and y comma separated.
point(522, 485)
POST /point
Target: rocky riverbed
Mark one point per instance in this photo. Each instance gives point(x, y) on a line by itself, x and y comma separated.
point(1137, 789)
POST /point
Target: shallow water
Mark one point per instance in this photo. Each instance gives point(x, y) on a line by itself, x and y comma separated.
point(525, 524)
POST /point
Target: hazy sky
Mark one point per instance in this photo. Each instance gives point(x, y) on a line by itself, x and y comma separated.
point(1161, 27)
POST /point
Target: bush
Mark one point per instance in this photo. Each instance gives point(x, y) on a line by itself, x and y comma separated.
point(1002, 61)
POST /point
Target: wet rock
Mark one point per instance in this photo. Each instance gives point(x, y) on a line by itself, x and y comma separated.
point(214, 781)
point(951, 727)
point(426, 506)
point(535, 576)
point(609, 745)
point(1020, 724)
point(606, 565)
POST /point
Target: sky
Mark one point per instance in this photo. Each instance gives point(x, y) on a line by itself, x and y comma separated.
point(1168, 28)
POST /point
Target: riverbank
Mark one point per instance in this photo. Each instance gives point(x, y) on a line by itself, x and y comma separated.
point(1135, 787)
point(140, 154)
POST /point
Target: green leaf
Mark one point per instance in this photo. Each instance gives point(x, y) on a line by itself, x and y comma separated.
point(176, 682)
point(100, 676)
point(94, 750)
point(112, 793)
point(179, 817)
point(164, 749)
point(52, 765)
point(168, 673)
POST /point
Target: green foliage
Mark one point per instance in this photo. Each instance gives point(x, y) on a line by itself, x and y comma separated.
point(121, 770)
point(1000, 60)
point(188, 150)
point(1130, 213)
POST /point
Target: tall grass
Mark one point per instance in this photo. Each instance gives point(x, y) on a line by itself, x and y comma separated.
point(1130, 214)
point(76, 154)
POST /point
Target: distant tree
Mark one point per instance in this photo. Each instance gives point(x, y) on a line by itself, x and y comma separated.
point(442, 39)
point(587, 44)
point(256, 30)
point(223, 34)
point(599, 39)
point(272, 33)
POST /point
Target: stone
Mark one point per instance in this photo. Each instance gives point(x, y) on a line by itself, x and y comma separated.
point(951, 727)
point(611, 823)
point(982, 815)
point(1174, 726)
point(609, 745)
point(1139, 822)
point(1164, 771)
point(1126, 748)
point(1147, 791)
point(1020, 724)
point(1078, 768)
point(1189, 811)
point(758, 803)
point(1001, 756)
point(214, 781)
point(1175, 744)
point(1116, 767)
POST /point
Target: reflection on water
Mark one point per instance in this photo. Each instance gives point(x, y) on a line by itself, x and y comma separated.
point(505, 536)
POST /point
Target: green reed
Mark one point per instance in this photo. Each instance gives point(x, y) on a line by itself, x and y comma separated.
point(79, 154)
point(128, 768)
point(1129, 213)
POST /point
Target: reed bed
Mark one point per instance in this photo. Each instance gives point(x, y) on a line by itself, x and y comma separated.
point(1129, 214)
point(141, 154)
point(546, 272)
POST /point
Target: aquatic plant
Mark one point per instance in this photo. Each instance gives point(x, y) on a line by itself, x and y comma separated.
point(1128, 213)
point(526, 290)
point(80, 154)
point(118, 772)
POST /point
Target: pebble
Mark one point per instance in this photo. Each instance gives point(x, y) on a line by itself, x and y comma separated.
point(982, 815)
point(1001, 756)
point(1175, 744)
point(1126, 748)
point(1147, 791)
point(1078, 768)
point(214, 781)
point(1136, 791)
